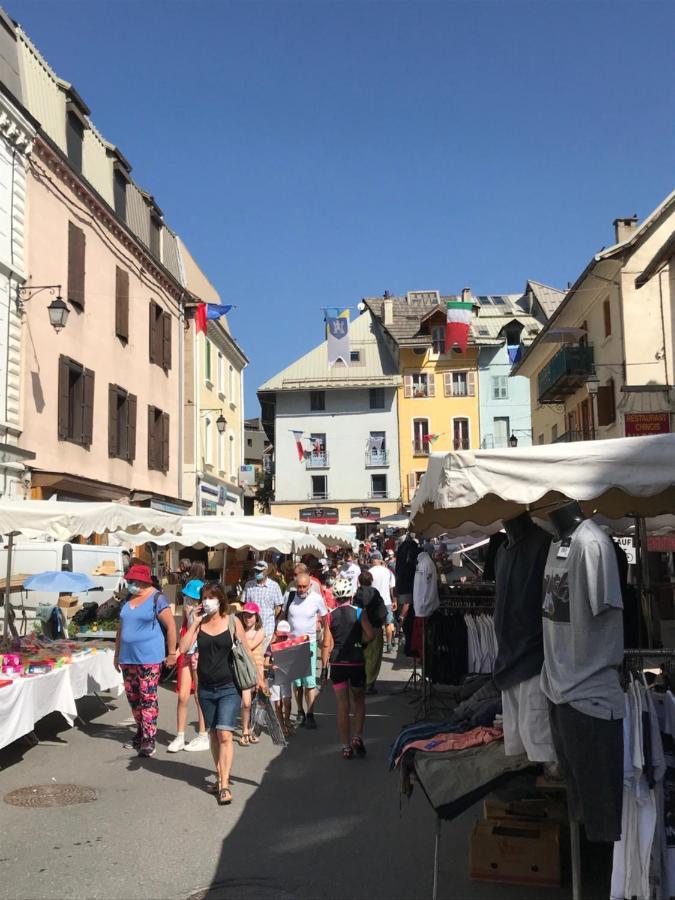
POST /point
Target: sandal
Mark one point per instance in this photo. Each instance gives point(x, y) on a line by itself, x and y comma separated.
point(245, 739)
point(224, 796)
point(253, 738)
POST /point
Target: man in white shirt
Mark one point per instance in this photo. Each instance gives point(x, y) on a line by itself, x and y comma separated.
point(302, 608)
point(385, 582)
point(350, 570)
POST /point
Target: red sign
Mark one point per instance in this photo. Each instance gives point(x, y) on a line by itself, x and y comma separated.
point(665, 544)
point(320, 515)
point(639, 424)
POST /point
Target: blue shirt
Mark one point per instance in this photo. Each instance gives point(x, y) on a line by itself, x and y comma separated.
point(142, 639)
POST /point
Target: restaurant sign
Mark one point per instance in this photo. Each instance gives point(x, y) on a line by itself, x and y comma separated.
point(322, 515)
point(366, 512)
point(639, 424)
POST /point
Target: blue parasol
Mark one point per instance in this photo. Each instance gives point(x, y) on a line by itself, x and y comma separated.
point(63, 582)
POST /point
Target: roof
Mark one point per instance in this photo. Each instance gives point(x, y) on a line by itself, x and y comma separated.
point(548, 298)
point(375, 368)
point(657, 262)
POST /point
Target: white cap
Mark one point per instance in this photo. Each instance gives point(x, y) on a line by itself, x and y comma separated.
point(283, 627)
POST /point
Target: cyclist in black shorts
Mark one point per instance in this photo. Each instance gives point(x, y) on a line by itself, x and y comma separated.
point(346, 630)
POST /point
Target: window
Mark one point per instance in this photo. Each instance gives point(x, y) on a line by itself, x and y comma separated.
point(420, 437)
point(355, 356)
point(459, 384)
point(502, 431)
point(122, 304)
point(607, 315)
point(414, 479)
point(221, 374)
point(232, 465)
point(76, 402)
point(419, 384)
point(249, 442)
point(606, 403)
point(317, 401)
point(319, 487)
point(554, 433)
point(460, 434)
point(158, 439)
point(378, 487)
point(120, 194)
point(121, 423)
point(155, 235)
point(379, 439)
point(376, 398)
point(76, 248)
point(230, 384)
point(438, 339)
point(221, 453)
point(318, 442)
point(74, 140)
point(513, 335)
point(160, 336)
point(208, 440)
point(207, 362)
point(500, 387)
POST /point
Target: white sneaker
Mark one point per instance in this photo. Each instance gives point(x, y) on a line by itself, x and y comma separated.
point(178, 743)
point(201, 742)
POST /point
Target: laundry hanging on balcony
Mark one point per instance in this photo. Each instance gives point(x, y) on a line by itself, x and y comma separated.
point(338, 340)
point(457, 324)
point(375, 444)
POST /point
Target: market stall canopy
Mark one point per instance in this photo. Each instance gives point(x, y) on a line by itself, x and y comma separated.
point(620, 477)
point(234, 532)
point(64, 520)
point(330, 535)
point(395, 520)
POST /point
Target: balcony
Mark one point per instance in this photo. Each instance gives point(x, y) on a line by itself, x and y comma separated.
point(316, 461)
point(570, 436)
point(377, 459)
point(318, 495)
point(569, 369)
point(421, 448)
point(378, 495)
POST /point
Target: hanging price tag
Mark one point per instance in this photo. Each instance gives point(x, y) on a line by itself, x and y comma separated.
point(564, 549)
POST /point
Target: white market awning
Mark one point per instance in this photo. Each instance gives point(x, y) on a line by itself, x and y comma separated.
point(620, 477)
point(330, 535)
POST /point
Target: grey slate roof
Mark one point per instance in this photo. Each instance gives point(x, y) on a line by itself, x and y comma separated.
point(549, 298)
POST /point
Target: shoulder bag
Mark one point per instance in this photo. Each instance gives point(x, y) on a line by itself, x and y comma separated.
point(244, 670)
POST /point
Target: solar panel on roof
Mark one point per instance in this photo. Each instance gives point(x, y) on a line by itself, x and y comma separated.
point(500, 301)
point(484, 301)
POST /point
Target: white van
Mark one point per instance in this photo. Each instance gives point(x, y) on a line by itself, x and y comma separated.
point(32, 557)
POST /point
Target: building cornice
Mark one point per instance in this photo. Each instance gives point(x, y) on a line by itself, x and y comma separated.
point(15, 128)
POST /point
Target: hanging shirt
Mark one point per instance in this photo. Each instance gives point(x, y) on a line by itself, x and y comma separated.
point(583, 624)
point(425, 586)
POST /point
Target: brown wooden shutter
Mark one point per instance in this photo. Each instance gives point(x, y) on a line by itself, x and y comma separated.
point(431, 381)
point(447, 384)
point(76, 244)
point(471, 384)
point(64, 384)
point(166, 341)
point(152, 444)
point(153, 333)
point(88, 408)
point(122, 303)
point(606, 405)
point(132, 404)
point(113, 449)
point(407, 386)
point(165, 442)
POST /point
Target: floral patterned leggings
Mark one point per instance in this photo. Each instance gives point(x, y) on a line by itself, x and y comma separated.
point(140, 684)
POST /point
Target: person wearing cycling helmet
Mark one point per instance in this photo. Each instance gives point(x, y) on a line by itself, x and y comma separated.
point(345, 632)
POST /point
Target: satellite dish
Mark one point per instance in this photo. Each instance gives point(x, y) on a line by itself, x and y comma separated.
point(361, 307)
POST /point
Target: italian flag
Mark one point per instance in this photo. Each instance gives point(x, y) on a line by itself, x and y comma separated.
point(457, 325)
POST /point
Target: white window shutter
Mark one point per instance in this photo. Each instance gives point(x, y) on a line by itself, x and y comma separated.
point(412, 482)
point(407, 385)
point(432, 387)
point(447, 384)
point(471, 384)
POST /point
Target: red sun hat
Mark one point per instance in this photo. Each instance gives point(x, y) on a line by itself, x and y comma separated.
point(139, 573)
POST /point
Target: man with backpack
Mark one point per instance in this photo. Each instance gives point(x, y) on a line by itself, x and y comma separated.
point(369, 598)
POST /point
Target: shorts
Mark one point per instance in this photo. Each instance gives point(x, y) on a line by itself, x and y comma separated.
point(526, 723)
point(390, 617)
point(344, 676)
point(281, 690)
point(220, 705)
point(403, 599)
point(310, 680)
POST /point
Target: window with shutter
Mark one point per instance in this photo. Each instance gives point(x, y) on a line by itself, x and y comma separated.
point(607, 316)
point(122, 304)
point(471, 384)
point(152, 442)
point(606, 404)
point(431, 385)
point(131, 427)
point(64, 398)
point(407, 386)
point(166, 341)
point(76, 249)
point(112, 421)
point(152, 331)
point(74, 139)
point(75, 415)
point(412, 484)
point(88, 409)
point(165, 442)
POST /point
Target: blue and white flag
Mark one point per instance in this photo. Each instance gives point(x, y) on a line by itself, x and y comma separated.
point(338, 339)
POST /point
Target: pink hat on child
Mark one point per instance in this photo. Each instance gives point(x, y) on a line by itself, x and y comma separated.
point(251, 607)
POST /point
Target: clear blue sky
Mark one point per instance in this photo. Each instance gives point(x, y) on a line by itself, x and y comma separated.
point(313, 153)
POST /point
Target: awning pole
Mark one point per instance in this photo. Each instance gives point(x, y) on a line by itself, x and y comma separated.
point(8, 585)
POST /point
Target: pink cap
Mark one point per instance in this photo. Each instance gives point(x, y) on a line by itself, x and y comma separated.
point(251, 607)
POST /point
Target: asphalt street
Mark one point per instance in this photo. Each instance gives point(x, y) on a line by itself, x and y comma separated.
point(304, 825)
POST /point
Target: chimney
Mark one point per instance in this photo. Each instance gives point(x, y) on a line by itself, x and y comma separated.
point(388, 311)
point(466, 295)
point(623, 228)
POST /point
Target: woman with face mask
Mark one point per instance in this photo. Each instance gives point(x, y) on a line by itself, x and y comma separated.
point(219, 696)
point(146, 632)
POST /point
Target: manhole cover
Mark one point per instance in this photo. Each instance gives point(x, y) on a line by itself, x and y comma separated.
point(243, 889)
point(44, 795)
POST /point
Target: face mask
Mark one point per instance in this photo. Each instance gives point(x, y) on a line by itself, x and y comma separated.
point(135, 589)
point(259, 576)
point(210, 606)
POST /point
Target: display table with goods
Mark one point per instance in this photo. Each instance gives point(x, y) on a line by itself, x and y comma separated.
point(40, 677)
point(552, 696)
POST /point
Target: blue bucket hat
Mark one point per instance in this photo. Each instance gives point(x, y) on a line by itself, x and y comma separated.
point(193, 589)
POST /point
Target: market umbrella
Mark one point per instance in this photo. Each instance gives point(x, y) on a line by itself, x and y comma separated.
point(619, 477)
point(61, 582)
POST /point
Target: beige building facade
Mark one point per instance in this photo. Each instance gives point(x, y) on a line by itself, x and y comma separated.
point(603, 365)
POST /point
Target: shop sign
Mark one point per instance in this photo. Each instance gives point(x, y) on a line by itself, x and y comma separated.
point(366, 512)
point(222, 496)
point(627, 544)
point(247, 475)
point(209, 508)
point(664, 544)
point(322, 515)
point(638, 424)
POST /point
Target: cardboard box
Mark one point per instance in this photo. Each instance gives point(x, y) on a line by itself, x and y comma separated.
point(515, 852)
point(532, 810)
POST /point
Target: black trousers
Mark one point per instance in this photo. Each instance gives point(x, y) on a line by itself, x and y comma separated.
point(590, 753)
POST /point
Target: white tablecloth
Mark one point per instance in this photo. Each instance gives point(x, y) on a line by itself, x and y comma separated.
point(25, 702)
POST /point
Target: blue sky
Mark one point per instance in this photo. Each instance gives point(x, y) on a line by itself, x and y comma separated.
point(314, 153)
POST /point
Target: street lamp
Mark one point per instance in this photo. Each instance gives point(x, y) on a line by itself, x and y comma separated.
point(513, 441)
point(221, 421)
point(593, 384)
point(57, 310)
